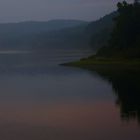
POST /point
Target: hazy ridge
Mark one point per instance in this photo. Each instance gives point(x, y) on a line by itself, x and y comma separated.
point(34, 35)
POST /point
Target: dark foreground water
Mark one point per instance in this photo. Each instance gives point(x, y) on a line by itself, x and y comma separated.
point(40, 100)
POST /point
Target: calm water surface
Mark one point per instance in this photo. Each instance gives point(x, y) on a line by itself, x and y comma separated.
point(40, 100)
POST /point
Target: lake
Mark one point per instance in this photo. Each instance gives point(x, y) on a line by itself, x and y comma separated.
point(41, 100)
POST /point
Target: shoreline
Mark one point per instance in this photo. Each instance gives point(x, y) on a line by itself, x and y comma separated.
point(105, 63)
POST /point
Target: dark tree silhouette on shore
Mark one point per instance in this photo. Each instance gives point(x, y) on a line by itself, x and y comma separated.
point(125, 38)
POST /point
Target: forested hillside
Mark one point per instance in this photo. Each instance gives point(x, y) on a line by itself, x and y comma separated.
point(125, 37)
point(99, 31)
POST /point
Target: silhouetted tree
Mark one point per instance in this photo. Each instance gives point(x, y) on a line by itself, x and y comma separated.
point(125, 38)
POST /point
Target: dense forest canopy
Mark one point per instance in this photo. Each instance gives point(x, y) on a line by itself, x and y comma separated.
point(125, 38)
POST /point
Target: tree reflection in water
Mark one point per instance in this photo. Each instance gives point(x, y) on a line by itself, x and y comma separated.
point(126, 84)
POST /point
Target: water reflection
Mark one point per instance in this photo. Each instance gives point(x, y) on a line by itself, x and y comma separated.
point(40, 100)
point(126, 84)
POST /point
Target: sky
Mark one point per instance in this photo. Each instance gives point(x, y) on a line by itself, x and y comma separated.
point(44, 10)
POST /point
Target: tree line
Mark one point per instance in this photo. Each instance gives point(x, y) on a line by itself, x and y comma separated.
point(125, 38)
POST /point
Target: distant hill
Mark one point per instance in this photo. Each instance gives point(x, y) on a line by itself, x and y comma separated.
point(25, 34)
point(56, 33)
point(36, 26)
point(73, 37)
point(99, 31)
point(94, 34)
